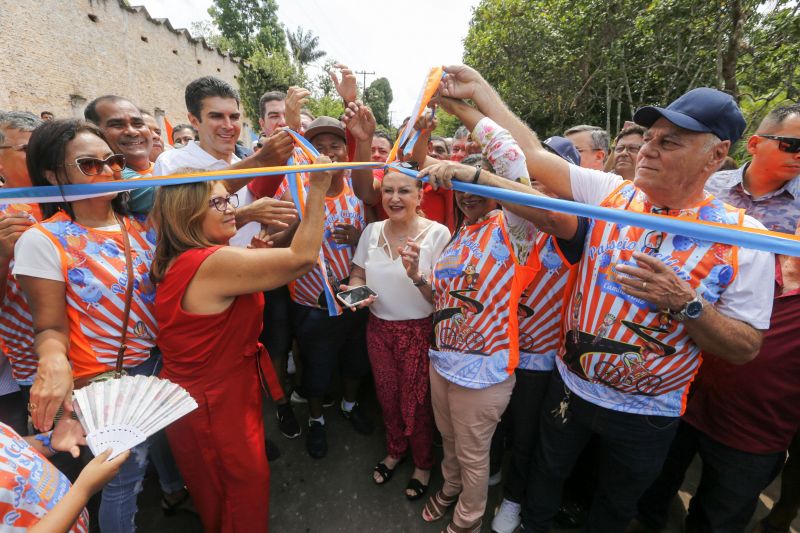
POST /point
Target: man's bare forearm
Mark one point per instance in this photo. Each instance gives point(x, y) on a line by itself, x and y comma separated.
point(732, 340)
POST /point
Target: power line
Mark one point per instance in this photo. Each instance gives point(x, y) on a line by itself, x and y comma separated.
point(365, 77)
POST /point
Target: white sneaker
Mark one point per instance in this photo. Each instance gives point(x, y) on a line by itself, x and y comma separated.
point(507, 518)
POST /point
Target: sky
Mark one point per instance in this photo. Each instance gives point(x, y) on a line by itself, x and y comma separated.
point(364, 35)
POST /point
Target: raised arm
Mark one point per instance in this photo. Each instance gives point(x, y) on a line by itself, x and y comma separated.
point(360, 122)
point(233, 271)
point(462, 82)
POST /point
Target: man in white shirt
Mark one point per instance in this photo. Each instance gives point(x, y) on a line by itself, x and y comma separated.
point(214, 112)
point(626, 384)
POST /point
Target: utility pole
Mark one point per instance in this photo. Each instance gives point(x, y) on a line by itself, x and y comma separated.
point(365, 74)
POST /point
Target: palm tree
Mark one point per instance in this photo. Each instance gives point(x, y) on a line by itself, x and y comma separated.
point(304, 46)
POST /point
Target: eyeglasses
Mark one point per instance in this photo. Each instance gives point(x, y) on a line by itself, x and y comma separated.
point(221, 203)
point(790, 145)
point(632, 149)
point(15, 147)
point(91, 166)
point(653, 240)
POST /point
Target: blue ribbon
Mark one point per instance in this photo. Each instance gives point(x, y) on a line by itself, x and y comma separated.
point(726, 235)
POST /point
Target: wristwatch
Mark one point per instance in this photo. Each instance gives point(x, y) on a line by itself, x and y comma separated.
point(422, 281)
point(691, 311)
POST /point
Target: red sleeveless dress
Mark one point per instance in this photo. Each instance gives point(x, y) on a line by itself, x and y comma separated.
point(219, 447)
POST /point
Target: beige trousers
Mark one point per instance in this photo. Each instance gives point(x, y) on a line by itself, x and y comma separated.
point(466, 418)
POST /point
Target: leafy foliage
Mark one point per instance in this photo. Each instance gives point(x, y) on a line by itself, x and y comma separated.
point(378, 96)
point(558, 63)
point(447, 123)
point(248, 25)
point(304, 46)
point(266, 71)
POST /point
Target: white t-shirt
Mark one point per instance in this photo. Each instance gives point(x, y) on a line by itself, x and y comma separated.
point(192, 156)
point(35, 255)
point(398, 298)
point(748, 298)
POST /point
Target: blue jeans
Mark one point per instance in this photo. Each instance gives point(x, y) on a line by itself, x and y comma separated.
point(118, 500)
point(730, 483)
point(633, 451)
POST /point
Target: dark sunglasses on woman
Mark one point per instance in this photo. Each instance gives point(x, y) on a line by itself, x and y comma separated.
point(91, 166)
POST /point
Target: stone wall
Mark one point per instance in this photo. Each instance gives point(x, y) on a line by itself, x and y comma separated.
point(58, 55)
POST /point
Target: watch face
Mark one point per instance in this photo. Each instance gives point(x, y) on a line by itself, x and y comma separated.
point(694, 309)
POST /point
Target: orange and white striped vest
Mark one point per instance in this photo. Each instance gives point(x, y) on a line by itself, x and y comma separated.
point(94, 269)
point(621, 352)
point(477, 284)
point(541, 307)
point(344, 208)
point(16, 323)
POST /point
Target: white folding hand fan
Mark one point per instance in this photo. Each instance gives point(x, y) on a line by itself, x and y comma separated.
point(121, 413)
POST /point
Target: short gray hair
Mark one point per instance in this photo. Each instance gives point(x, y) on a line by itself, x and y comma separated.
point(461, 133)
point(601, 140)
point(17, 120)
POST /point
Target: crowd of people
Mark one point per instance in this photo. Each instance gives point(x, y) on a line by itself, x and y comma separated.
point(601, 357)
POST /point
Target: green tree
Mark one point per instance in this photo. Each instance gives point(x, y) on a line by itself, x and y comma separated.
point(378, 96)
point(304, 46)
point(328, 106)
point(252, 31)
point(248, 24)
point(265, 71)
point(447, 123)
point(559, 63)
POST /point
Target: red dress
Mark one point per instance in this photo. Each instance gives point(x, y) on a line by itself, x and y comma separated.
point(219, 447)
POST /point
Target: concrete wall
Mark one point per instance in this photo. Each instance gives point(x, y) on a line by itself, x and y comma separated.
point(58, 55)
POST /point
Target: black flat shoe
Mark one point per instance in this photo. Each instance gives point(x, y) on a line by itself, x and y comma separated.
point(418, 489)
point(384, 472)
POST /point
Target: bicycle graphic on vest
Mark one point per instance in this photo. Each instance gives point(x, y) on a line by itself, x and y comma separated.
point(619, 365)
point(460, 336)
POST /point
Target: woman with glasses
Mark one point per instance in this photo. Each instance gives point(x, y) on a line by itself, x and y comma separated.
point(74, 270)
point(209, 307)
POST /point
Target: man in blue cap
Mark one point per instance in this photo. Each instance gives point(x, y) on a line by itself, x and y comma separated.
point(644, 304)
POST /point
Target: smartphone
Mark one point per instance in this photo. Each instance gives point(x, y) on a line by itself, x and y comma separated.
point(355, 296)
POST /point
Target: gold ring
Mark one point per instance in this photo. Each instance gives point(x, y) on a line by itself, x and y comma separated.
point(31, 406)
point(644, 285)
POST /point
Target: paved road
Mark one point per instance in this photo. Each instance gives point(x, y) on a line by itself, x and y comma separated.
point(336, 494)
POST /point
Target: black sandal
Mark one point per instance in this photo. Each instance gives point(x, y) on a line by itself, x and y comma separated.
point(384, 471)
point(417, 488)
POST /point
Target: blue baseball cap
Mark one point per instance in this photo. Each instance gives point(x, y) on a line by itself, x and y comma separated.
point(564, 148)
point(703, 110)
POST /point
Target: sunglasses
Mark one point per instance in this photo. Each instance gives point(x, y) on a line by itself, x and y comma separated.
point(91, 166)
point(790, 145)
point(221, 203)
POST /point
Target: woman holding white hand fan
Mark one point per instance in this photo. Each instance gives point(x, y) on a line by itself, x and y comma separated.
point(80, 269)
point(209, 310)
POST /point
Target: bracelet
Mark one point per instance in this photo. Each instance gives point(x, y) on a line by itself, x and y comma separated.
point(44, 438)
point(477, 175)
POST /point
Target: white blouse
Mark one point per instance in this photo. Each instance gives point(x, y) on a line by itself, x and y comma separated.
point(398, 298)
